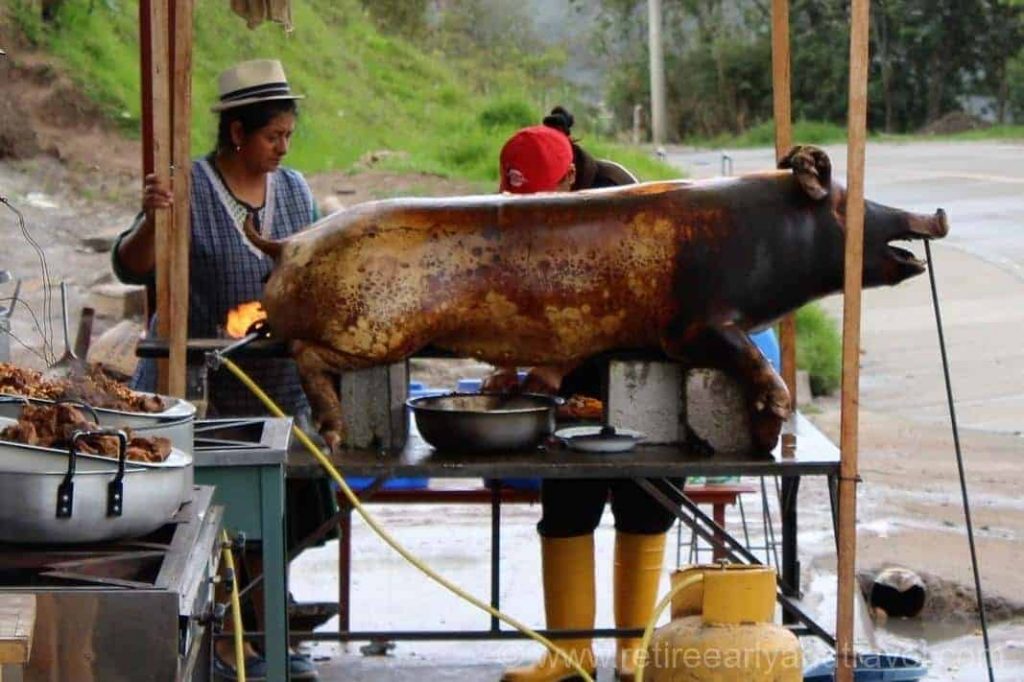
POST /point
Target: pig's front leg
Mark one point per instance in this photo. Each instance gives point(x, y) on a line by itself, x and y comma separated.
point(729, 348)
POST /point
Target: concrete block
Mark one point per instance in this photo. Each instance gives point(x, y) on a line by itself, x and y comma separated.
point(648, 397)
point(118, 301)
point(373, 403)
point(716, 410)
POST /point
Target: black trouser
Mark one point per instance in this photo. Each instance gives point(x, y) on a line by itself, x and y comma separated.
point(572, 507)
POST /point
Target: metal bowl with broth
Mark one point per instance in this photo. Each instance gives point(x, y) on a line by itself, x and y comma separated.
point(475, 422)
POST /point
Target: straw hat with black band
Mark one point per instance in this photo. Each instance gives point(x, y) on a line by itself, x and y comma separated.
point(257, 80)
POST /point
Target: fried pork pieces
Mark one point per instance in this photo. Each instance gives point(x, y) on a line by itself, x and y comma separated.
point(53, 426)
point(92, 387)
point(581, 407)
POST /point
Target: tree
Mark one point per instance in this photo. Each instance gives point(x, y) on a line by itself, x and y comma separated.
point(925, 56)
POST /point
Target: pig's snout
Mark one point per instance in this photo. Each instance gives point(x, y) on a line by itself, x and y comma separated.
point(928, 227)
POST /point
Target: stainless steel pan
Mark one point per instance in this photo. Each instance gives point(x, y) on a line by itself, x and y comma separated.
point(51, 496)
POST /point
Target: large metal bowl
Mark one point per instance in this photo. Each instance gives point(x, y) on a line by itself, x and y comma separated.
point(474, 422)
point(31, 480)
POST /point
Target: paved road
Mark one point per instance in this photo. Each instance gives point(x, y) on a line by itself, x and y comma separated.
point(980, 271)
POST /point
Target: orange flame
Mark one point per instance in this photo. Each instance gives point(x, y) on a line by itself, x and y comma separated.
point(244, 316)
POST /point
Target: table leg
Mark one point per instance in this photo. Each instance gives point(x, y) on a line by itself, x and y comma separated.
point(719, 550)
point(833, 499)
point(495, 552)
point(344, 566)
point(790, 558)
point(275, 571)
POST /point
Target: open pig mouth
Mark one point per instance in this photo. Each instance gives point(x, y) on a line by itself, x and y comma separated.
point(904, 256)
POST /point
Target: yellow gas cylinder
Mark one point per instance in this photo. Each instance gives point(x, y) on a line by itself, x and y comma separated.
point(722, 630)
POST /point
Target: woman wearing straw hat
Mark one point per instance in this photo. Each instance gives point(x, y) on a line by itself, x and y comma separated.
point(241, 179)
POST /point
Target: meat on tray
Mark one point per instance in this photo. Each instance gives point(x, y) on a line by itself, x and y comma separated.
point(581, 407)
point(92, 387)
point(53, 426)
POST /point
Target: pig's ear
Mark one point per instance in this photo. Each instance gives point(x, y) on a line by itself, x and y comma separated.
point(812, 169)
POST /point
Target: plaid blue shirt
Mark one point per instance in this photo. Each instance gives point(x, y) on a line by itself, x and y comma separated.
point(225, 269)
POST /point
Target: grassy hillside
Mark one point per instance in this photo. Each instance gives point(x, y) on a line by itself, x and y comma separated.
point(365, 91)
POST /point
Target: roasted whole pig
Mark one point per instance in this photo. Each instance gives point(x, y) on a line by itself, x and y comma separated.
point(687, 268)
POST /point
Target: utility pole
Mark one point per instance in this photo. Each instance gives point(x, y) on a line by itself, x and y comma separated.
point(657, 72)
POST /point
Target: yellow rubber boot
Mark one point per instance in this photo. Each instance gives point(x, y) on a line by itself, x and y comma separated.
point(568, 568)
point(639, 560)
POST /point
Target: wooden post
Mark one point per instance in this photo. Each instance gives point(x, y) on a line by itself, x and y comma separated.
point(160, 111)
point(657, 66)
point(146, 64)
point(181, 110)
point(782, 109)
point(854, 266)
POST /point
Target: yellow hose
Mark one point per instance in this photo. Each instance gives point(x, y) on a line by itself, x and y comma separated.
point(353, 499)
point(641, 661)
point(236, 608)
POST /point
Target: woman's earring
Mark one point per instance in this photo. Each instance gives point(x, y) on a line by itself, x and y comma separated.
point(238, 147)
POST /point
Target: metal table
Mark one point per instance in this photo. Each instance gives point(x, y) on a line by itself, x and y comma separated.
point(245, 459)
point(803, 451)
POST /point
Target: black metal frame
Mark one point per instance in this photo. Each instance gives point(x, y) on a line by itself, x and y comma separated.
point(681, 506)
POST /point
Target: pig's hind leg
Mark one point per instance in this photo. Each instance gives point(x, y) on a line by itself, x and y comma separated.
point(319, 369)
point(729, 348)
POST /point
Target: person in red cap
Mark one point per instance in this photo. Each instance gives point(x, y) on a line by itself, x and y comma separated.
point(537, 159)
point(546, 158)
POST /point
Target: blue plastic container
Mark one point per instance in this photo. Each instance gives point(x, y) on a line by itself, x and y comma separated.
point(469, 385)
point(517, 483)
point(769, 346)
point(360, 483)
point(872, 668)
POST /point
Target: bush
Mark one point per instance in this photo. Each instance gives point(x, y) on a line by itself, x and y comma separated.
point(508, 113)
point(818, 348)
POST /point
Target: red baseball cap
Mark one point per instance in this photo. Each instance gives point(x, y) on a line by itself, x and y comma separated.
point(535, 159)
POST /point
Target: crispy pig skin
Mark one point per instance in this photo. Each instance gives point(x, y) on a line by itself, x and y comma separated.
point(684, 268)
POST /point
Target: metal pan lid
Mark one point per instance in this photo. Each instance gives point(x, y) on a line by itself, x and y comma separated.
point(600, 438)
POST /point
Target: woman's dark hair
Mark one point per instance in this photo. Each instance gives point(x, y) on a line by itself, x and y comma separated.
point(586, 165)
point(560, 119)
point(252, 117)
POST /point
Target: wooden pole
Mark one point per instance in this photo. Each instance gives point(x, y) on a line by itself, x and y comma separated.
point(160, 110)
point(181, 117)
point(657, 66)
point(782, 109)
point(146, 64)
point(854, 266)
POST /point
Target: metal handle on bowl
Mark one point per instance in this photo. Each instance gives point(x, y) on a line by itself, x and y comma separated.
point(115, 489)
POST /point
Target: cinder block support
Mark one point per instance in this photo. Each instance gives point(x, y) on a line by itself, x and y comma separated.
point(716, 410)
point(662, 399)
point(373, 402)
point(648, 397)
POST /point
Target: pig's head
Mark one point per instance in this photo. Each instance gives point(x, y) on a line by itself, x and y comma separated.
point(884, 263)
